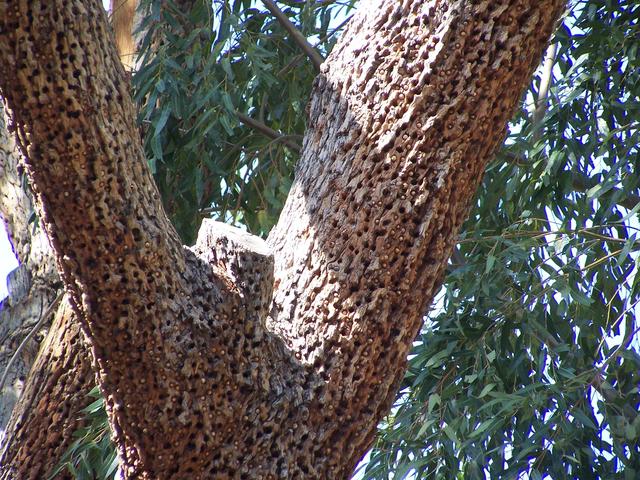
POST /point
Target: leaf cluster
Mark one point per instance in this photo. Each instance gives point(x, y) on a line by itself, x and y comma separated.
point(91, 455)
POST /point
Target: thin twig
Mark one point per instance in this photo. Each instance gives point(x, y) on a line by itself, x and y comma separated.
point(624, 344)
point(322, 39)
point(268, 131)
point(302, 42)
point(457, 260)
point(26, 339)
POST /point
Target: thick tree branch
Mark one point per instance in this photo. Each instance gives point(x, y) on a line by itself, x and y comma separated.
point(297, 37)
point(149, 308)
point(31, 285)
point(397, 142)
point(249, 262)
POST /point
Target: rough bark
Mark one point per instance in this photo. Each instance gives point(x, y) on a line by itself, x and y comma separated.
point(199, 381)
point(15, 203)
point(19, 313)
point(32, 286)
point(47, 382)
point(407, 111)
point(48, 412)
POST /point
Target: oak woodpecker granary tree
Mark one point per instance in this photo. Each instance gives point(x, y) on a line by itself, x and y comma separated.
point(238, 358)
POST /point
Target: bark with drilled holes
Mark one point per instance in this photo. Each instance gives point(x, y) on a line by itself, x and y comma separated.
point(204, 376)
point(54, 364)
point(48, 412)
point(37, 438)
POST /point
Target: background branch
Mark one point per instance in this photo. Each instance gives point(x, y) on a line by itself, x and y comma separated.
point(545, 83)
point(50, 309)
point(302, 42)
point(268, 131)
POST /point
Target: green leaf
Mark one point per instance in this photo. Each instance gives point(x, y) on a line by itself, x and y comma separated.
point(161, 121)
point(487, 389)
point(450, 433)
point(490, 262)
point(434, 399)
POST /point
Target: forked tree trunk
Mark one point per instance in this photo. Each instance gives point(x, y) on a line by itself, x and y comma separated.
point(206, 375)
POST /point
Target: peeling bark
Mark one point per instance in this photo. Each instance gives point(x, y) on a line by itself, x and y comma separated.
point(123, 17)
point(199, 381)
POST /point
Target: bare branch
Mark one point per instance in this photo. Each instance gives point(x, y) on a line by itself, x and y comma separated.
point(302, 42)
point(267, 131)
point(545, 84)
point(322, 39)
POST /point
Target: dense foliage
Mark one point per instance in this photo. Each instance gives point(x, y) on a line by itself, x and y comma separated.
point(528, 365)
point(204, 71)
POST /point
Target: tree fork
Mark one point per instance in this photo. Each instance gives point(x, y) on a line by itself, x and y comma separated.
point(405, 114)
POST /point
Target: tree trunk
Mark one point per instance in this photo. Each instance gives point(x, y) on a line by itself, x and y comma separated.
point(48, 412)
point(125, 22)
point(37, 437)
point(205, 373)
point(42, 372)
point(35, 283)
point(32, 286)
